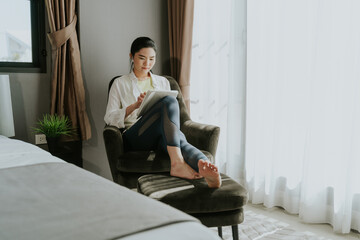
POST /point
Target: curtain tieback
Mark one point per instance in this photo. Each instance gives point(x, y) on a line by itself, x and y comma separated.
point(58, 38)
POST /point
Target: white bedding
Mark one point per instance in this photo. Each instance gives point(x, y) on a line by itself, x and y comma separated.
point(15, 153)
point(43, 197)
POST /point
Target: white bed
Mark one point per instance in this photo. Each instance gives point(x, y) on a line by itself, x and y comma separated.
point(43, 197)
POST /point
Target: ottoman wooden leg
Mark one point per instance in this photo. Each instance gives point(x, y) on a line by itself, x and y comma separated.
point(235, 232)
point(220, 231)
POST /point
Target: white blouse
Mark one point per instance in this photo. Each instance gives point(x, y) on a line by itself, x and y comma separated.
point(124, 92)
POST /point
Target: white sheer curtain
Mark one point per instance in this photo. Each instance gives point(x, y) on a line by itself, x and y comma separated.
point(218, 77)
point(303, 108)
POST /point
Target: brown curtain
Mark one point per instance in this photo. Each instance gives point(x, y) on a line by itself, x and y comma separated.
point(67, 87)
point(181, 15)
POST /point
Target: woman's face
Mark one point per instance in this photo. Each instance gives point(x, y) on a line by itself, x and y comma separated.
point(144, 61)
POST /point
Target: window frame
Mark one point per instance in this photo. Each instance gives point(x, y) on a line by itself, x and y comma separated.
point(39, 53)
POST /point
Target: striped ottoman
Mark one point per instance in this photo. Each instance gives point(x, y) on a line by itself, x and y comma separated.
point(213, 207)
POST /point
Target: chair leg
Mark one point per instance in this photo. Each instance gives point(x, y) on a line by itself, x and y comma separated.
point(220, 231)
point(235, 232)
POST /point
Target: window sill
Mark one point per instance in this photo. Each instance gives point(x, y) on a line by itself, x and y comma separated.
point(22, 70)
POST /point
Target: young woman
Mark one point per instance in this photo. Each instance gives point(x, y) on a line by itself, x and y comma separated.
point(159, 127)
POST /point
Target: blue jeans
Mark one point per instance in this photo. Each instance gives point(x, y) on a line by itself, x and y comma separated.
point(160, 127)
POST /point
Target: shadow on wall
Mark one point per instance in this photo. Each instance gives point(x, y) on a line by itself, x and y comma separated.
point(92, 148)
point(17, 98)
point(94, 136)
point(30, 100)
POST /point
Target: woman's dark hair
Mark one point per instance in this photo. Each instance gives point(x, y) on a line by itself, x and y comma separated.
point(138, 44)
point(142, 42)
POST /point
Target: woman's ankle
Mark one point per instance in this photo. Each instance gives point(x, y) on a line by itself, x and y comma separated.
point(177, 163)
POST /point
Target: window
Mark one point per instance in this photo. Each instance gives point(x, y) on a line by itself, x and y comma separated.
point(22, 36)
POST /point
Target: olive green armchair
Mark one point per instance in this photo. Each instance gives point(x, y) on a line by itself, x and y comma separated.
point(127, 166)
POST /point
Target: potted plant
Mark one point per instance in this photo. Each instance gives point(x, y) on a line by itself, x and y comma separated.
point(54, 126)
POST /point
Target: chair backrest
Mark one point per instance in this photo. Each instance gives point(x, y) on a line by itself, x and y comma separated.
point(184, 114)
point(111, 83)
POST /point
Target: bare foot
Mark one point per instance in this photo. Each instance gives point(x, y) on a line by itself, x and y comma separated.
point(183, 170)
point(210, 172)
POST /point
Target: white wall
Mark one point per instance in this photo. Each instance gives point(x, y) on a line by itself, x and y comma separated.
point(107, 29)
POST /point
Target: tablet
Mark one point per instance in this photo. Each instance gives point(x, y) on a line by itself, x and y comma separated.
point(152, 97)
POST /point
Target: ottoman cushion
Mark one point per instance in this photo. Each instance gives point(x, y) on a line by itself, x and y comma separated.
point(193, 196)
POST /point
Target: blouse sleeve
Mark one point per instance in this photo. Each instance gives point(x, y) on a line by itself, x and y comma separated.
point(167, 85)
point(115, 113)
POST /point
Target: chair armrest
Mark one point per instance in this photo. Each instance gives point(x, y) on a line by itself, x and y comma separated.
point(114, 146)
point(203, 136)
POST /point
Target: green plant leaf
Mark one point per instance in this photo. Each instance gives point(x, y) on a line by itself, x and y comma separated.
point(54, 126)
